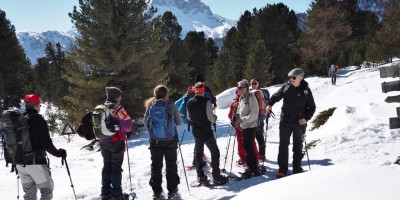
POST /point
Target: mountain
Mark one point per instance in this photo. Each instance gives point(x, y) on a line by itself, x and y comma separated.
point(375, 6)
point(192, 15)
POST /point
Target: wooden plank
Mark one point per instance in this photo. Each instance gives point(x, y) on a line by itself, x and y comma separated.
point(390, 86)
point(394, 122)
point(390, 71)
point(393, 99)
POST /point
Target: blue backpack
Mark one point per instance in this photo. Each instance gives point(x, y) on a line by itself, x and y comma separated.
point(181, 103)
point(266, 94)
point(160, 121)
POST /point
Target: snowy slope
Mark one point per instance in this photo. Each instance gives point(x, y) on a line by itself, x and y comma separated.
point(353, 160)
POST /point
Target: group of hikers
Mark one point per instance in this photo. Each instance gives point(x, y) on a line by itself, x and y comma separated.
point(248, 113)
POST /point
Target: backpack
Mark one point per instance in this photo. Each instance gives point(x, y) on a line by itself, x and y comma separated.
point(266, 95)
point(160, 121)
point(85, 129)
point(16, 138)
point(104, 125)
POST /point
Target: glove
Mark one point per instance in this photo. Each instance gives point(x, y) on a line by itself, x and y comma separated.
point(61, 153)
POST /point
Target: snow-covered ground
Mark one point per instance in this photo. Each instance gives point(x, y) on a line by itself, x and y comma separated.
point(353, 158)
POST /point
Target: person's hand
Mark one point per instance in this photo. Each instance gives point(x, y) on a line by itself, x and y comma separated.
point(61, 153)
point(302, 121)
point(268, 109)
point(238, 121)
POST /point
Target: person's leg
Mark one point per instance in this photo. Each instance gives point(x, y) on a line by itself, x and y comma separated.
point(171, 166)
point(199, 149)
point(213, 147)
point(28, 184)
point(240, 147)
point(260, 139)
point(298, 155)
point(157, 155)
point(248, 139)
point(284, 140)
point(117, 158)
point(106, 171)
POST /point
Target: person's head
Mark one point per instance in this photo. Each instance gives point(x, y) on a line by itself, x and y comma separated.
point(114, 94)
point(32, 101)
point(243, 87)
point(254, 84)
point(200, 88)
point(296, 76)
point(161, 92)
point(198, 78)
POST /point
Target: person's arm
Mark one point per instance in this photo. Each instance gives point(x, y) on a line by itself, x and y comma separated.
point(210, 114)
point(310, 105)
point(276, 97)
point(177, 115)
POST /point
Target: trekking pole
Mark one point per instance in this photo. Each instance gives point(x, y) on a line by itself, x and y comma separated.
point(227, 148)
point(233, 153)
point(180, 142)
point(303, 131)
point(215, 130)
point(17, 186)
point(69, 174)
point(129, 165)
point(184, 170)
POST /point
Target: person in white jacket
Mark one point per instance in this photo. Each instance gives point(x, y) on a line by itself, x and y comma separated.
point(248, 120)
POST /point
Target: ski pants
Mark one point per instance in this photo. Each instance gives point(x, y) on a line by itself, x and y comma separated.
point(34, 177)
point(111, 175)
point(240, 146)
point(248, 139)
point(160, 150)
point(211, 144)
point(260, 138)
point(286, 128)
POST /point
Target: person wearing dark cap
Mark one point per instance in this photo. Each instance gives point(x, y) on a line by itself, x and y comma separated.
point(36, 173)
point(201, 117)
point(247, 119)
point(113, 147)
point(298, 108)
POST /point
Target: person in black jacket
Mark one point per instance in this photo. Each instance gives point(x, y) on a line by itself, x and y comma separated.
point(36, 173)
point(200, 116)
point(298, 107)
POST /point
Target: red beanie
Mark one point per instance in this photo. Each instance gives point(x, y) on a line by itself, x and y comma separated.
point(32, 98)
point(200, 88)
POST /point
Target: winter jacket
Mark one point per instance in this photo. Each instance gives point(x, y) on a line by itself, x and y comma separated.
point(201, 116)
point(332, 70)
point(40, 137)
point(298, 102)
point(248, 110)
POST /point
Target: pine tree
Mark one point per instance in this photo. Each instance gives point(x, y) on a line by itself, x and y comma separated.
point(329, 33)
point(259, 63)
point(119, 46)
point(15, 73)
point(388, 35)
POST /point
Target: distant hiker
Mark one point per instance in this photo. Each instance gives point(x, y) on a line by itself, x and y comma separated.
point(232, 115)
point(201, 117)
point(298, 107)
point(161, 118)
point(247, 119)
point(262, 116)
point(112, 145)
point(332, 73)
point(35, 173)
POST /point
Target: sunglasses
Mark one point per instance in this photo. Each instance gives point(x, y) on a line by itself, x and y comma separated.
point(254, 83)
point(293, 78)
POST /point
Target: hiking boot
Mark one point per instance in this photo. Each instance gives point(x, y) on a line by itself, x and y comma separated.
point(105, 197)
point(123, 197)
point(220, 179)
point(262, 157)
point(202, 179)
point(158, 196)
point(280, 174)
point(298, 170)
point(173, 194)
point(248, 173)
point(260, 171)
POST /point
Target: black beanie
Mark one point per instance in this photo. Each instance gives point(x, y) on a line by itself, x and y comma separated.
point(198, 78)
point(113, 92)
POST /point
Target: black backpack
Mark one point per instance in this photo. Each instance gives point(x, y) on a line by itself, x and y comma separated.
point(85, 129)
point(16, 138)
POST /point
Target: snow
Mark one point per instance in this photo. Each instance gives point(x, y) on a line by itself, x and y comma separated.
point(353, 158)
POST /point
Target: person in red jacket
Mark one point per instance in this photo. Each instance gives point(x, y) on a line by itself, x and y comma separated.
point(239, 132)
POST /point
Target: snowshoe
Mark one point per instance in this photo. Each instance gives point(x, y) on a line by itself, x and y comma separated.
point(299, 170)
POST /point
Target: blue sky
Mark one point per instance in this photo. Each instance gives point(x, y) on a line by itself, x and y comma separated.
point(44, 15)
